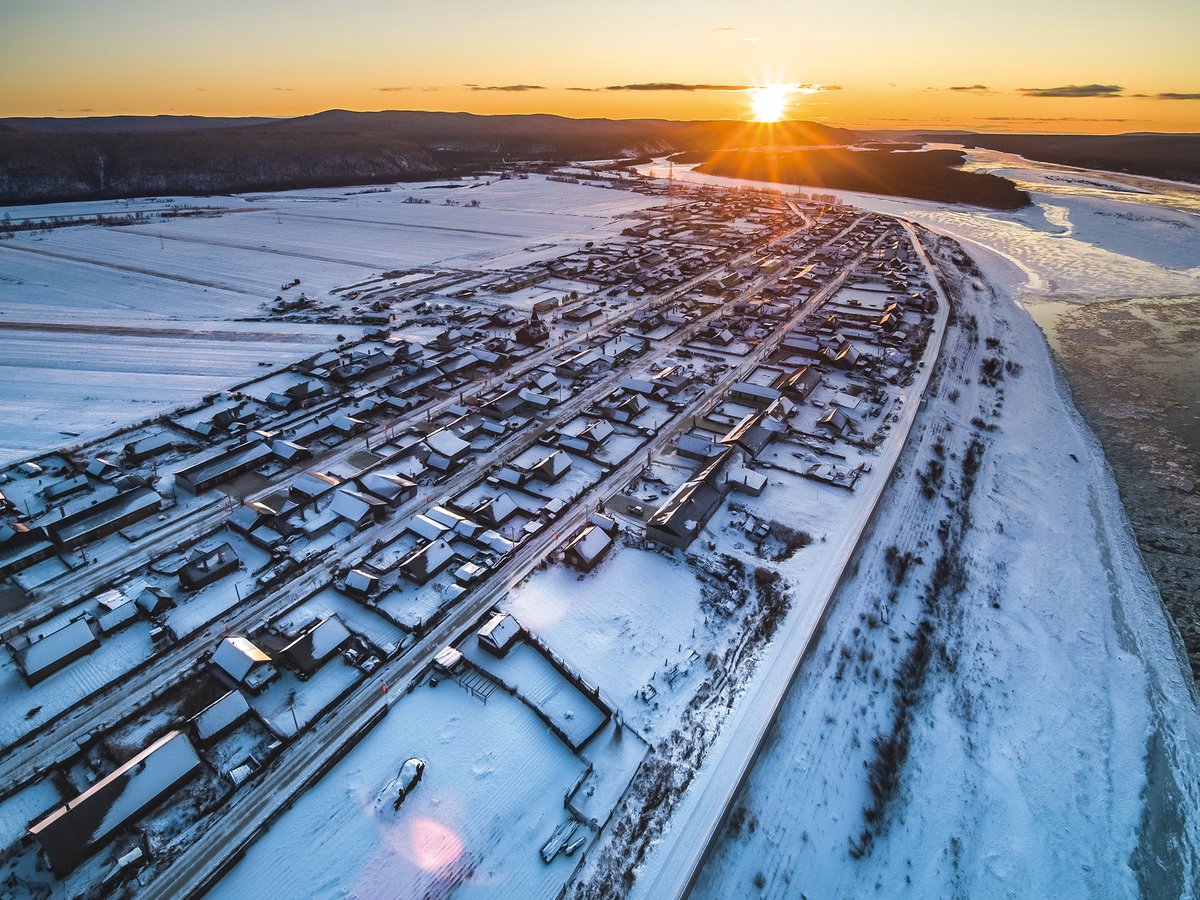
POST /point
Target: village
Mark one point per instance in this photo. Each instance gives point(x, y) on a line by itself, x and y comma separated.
point(514, 523)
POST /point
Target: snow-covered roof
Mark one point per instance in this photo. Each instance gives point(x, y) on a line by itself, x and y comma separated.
point(426, 527)
point(445, 443)
point(500, 631)
point(236, 656)
point(70, 832)
point(47, 652)
point(353, 506)
point(220, 715)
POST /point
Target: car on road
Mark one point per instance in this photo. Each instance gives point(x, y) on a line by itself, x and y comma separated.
point(409, 778)
point(634, 509)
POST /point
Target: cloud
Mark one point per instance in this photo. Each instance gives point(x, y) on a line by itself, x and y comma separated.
point(1075, 90)
point(283, 89)
point(971, 89)
point(672, 86)
point(1171, 95)
point(725, 28)
point(86, 109)
point(1052, 119)
point(802, 88)
point(511, 88)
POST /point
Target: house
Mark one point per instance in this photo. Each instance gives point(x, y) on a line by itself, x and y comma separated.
point(499, 633)
point(684, 513)
point(746, 481)
point(834, 420)
point(798, 383)
point(41, 656)
point(630, 408)
point(220, 717)
point(74, 831)
point(425, 562)
point(446, 444)
point(590, 438)
point(754, 394)
point(495, 510)
point(290, 453)
point(147, 447)
point(312, 485)
point(588, 547)
point(244, 663)
point(584, 312)
point(423, 526)
point(752, 434)
point(89, 520)
point(695, 446)
point(224, 466)
point(551, 468)
point(22, 547)
point(102, 468)
point(316, 644)
point(360, 583)
point(360, 510)
point(114, 610)
point(203, 567)
point(153, 600)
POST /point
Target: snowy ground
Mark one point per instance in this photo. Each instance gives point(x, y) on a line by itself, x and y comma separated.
point(1053, 743)
point(491, 795)
point(117, 324)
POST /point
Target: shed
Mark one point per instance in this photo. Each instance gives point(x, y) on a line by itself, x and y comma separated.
point(220, 716)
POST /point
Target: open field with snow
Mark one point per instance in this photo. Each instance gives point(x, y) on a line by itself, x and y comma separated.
point(490, 797)
point(100, 326)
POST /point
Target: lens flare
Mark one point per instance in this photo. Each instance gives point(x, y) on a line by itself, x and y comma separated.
point(434, 846)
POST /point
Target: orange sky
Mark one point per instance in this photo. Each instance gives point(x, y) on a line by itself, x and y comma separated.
point(1028, 66)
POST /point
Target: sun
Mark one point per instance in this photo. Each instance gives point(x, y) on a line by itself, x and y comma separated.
point(769, 101)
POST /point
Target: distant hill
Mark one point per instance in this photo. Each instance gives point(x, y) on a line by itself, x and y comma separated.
point(119, 124)
point(83, 159)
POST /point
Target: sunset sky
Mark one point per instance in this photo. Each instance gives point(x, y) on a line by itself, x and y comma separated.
point(1024, 65)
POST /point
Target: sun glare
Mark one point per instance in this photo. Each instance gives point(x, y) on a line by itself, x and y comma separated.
point(769, 101)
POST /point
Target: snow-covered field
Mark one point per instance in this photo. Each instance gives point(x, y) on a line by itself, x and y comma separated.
point(100, 326)
point(491, 795)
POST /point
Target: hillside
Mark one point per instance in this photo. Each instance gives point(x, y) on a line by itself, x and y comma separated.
point(41, 160)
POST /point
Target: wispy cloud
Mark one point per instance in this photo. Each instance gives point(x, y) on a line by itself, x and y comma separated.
point(405, 87)
point(1075, 90)
point(282, 89)
point(971, 89)
point(509, 88)
point(1171, 95)
point(1052, 119)
point(671, 86)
